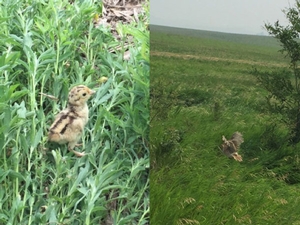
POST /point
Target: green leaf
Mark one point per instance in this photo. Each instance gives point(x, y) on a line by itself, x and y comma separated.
point(12, 89)
point(12, 57)
point(27, 41)
point(21, 110)
point(38, 137)
point(2, 140)
point(4, 68)
point(131, 139)
point(24, 142)
point(82, 174)
point(3, 106)
point(7, 119)
point(10, 173)
point(51, 214)
point(105, 98)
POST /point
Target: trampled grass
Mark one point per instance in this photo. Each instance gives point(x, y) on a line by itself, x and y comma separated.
point(50, 47)
point(196, 100)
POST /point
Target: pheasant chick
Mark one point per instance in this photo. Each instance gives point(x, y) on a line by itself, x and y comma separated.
point(69, 123)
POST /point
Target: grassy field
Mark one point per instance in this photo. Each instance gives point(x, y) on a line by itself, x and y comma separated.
point(201, 89)
point(49, 48)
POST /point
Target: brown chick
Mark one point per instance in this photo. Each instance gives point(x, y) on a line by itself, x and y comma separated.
point(230, 147)
point(69, 123)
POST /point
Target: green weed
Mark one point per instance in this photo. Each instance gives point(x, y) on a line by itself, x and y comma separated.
point(48, 47)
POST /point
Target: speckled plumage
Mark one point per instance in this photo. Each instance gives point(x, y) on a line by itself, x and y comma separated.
point(230, 147)
point(69, 123)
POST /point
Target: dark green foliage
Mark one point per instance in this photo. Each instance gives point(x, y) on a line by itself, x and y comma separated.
point(283, 85)
point(163, 98)
point(166, 146)
point(283, 98)
point(192, 97)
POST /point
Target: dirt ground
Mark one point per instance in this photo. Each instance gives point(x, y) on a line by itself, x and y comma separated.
point(125, 11)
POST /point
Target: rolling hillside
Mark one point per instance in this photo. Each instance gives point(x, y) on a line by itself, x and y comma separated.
point(202, 87)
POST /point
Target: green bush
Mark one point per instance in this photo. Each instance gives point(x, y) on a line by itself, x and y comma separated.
point(283, 85)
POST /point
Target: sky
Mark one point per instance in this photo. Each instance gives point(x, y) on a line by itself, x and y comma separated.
point(230, 16)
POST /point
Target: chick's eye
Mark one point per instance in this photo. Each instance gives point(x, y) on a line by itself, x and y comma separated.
point(84, 94)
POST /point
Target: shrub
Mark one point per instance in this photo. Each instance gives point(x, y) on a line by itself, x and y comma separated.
point(283, 85)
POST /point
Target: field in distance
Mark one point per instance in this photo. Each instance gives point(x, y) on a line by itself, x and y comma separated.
point(202, 88)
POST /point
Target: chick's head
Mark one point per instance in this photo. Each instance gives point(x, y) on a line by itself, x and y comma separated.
point(79, 95)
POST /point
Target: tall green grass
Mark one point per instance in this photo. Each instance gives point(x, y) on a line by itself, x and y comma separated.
point(49, 47)
point(192, 181)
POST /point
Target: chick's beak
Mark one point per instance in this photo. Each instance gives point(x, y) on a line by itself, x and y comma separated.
point(92, 92)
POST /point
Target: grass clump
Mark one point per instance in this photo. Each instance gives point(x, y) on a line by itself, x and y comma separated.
point(49, 48)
